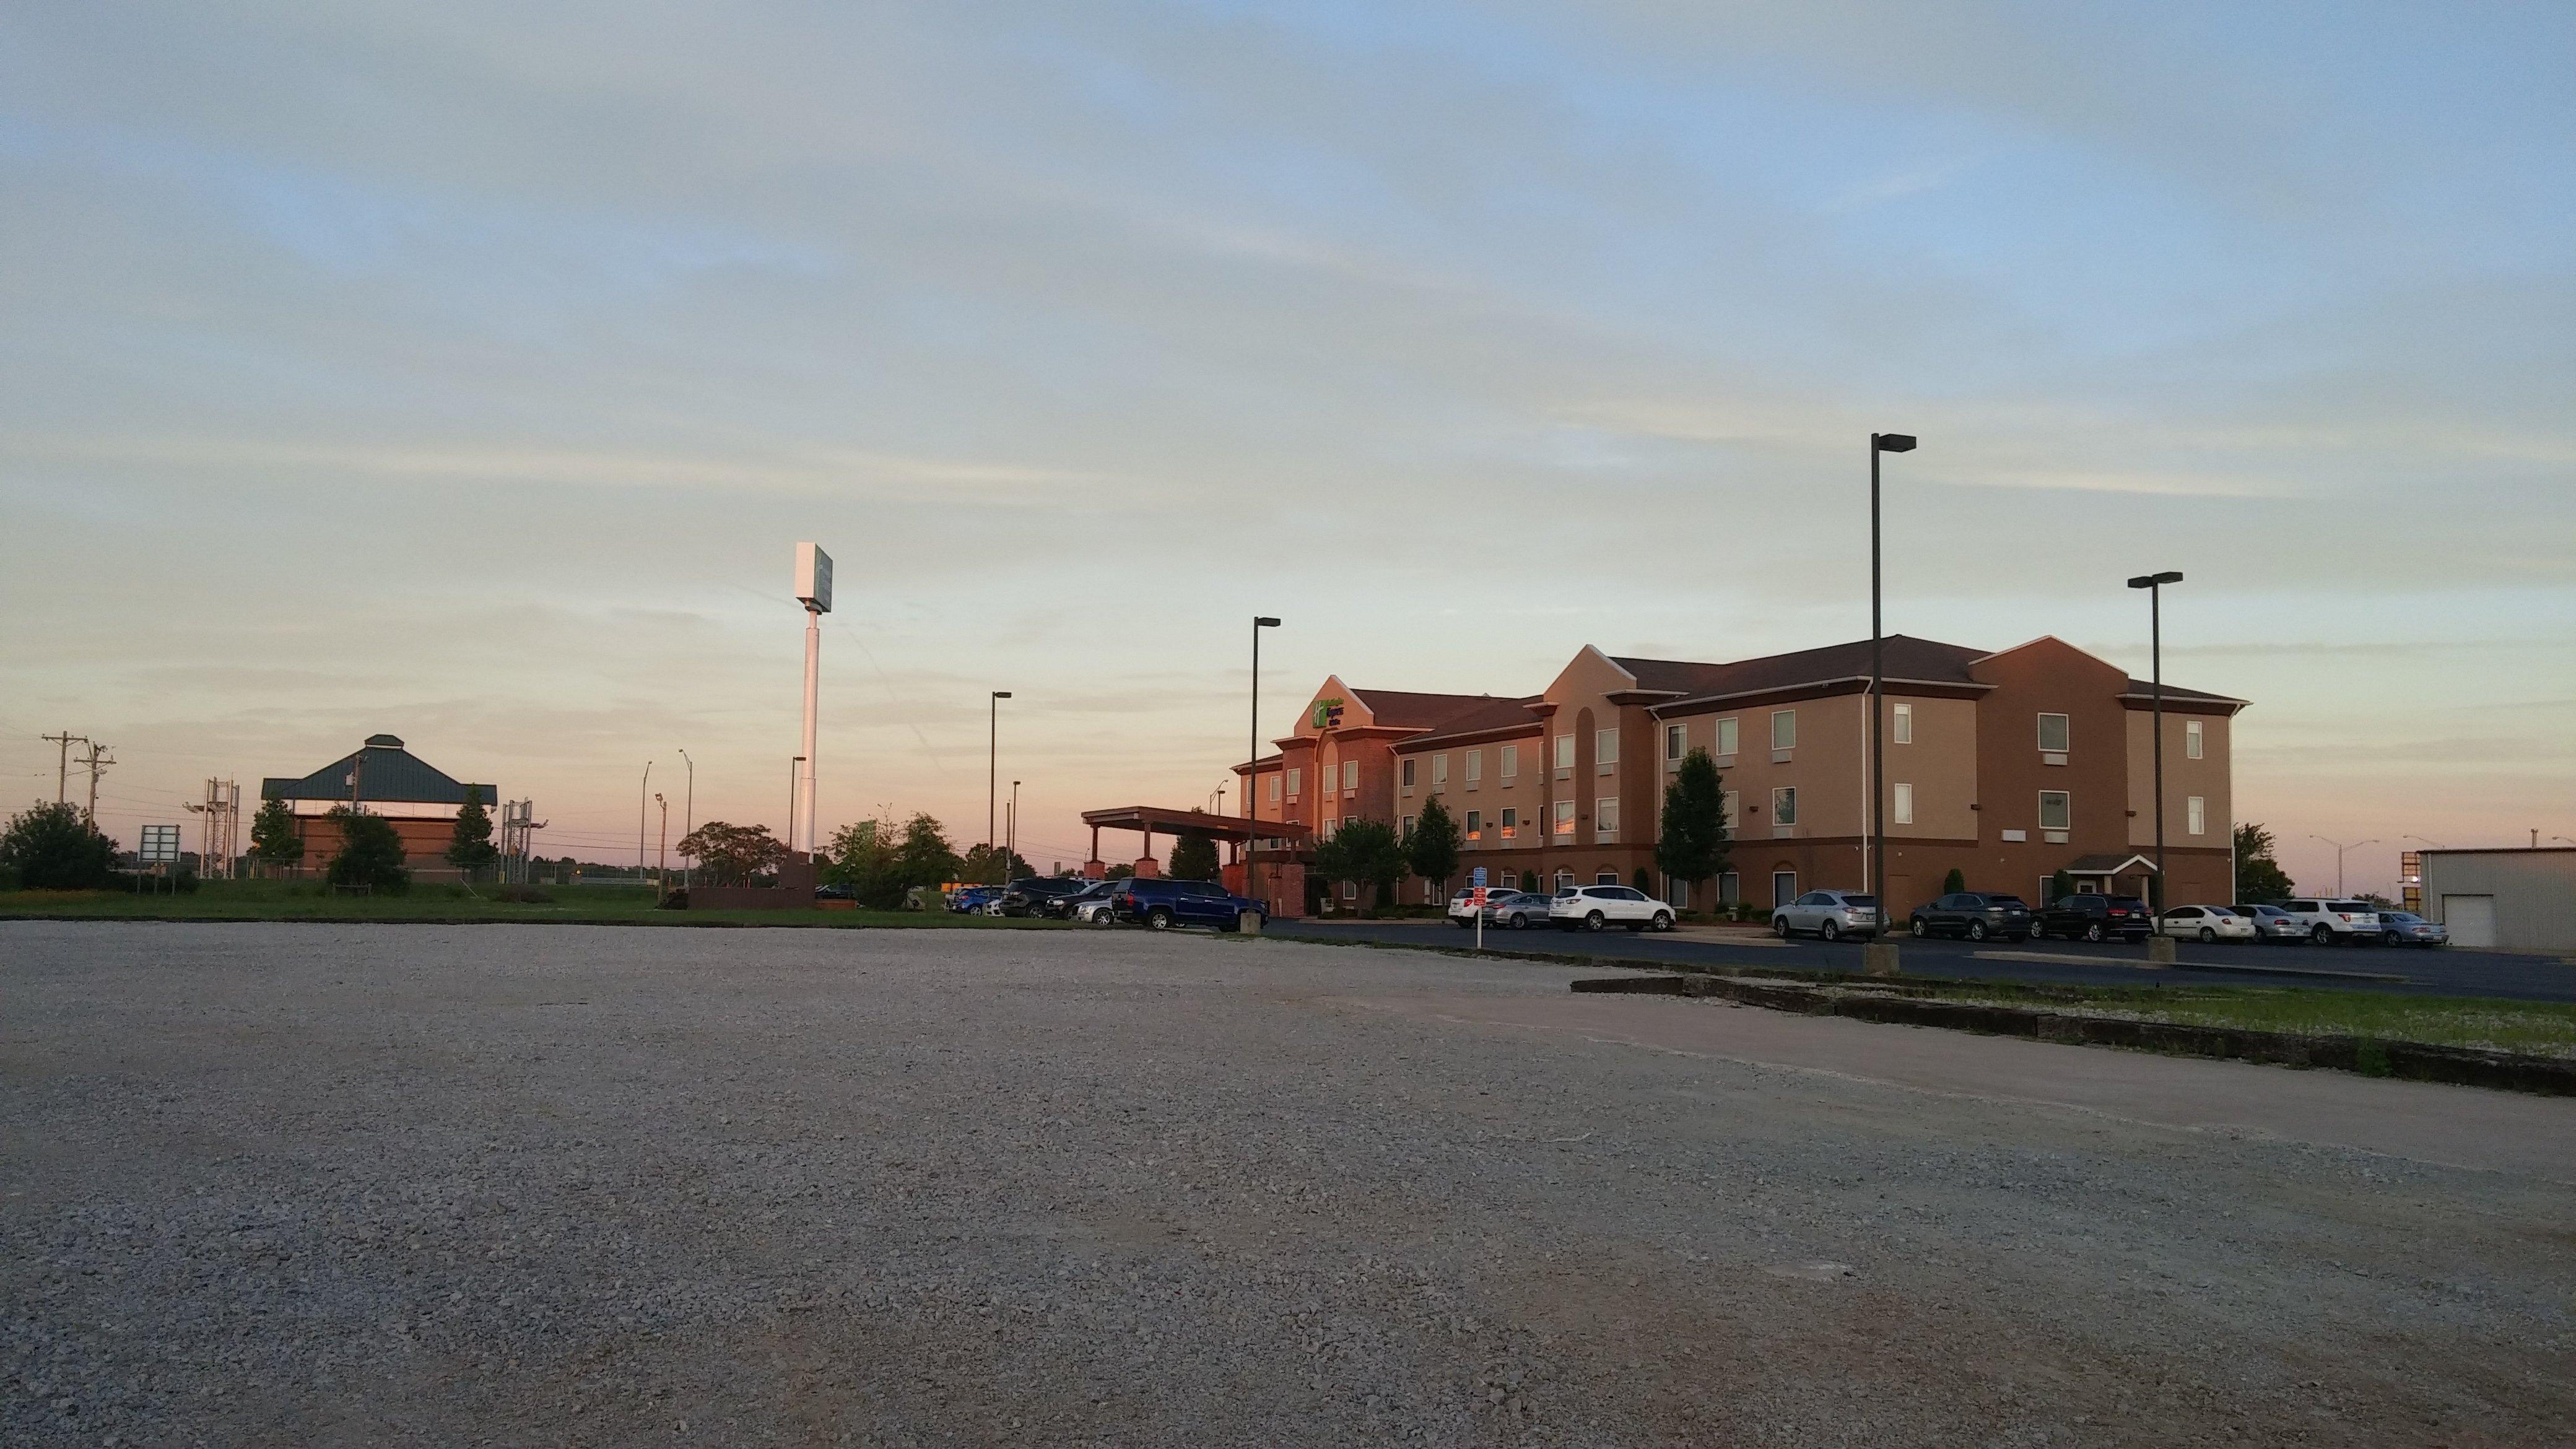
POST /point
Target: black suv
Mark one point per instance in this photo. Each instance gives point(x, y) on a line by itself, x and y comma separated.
point(2096, 918)
point(1974, 915)
point(1029, 897)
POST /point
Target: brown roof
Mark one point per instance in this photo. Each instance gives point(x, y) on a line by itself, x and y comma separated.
point(2146, 688)
point(1405, 709)
point(1906, 657)
point(1488, 715)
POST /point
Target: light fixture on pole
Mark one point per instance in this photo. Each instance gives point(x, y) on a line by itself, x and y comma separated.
point(662, 857)
point(688, 815)
point(2340, 848)
point(1252, 762)
point(1882, 945)
point(993, 764)
point(814, 591)
point(1011, 838)
point(2154, 584)
point(643, 794)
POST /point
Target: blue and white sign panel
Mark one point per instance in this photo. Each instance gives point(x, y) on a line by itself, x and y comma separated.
point(1476, 877)
point(159, 845)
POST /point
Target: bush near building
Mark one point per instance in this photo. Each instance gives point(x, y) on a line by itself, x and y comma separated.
point(1194, 858)
point(51, 846)
point(371, 854)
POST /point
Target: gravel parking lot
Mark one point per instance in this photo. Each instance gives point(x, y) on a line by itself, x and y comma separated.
point(431, 1185)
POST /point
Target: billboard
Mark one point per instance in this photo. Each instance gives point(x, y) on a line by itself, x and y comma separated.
point(160, 845)
point(814, 578)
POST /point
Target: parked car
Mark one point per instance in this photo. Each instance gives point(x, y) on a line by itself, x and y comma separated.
point(2271, 923)
point(1827, 915)
point(1519, 910)
point(832, 890)
point(2090, 917)
point(2329, 923)
point(1028, 897)
point(1974, 915)
point(2405, 928)
point(1099, 910)
point(1599, 907)
point(1064, 907)
point(1163, 904)
point(971, 900)
point(2206, 923)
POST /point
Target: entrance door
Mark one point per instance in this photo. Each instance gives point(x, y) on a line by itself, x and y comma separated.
point(1784, 888)
point(2471, 919)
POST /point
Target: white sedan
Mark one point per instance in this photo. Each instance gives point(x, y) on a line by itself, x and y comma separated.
point(1599, 907)
point(2205, 923)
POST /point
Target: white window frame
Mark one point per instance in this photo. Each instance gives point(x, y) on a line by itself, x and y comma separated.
point(1404, 773)
point(1778, 729)
point(1475, 767)
point(1904, 805)
point(2194, 740)
point(1274, 787)
point(1733, 820)
point(1903, 728)
point(1676, 743)
point(1296, 777)
point(1565, 752)
point(1726, 736)
point(1565, 819)
point(1784, 805)
point(2068, 724)
point(2195, 815)
point(1350, 776)
point(1605, 746)
point(1439, 771)
point(1605, 819)
point(2066, 809)
point(1511, 823)
point(1507, 763)
point(1475, 825)
point(1564, 880)
point(1405, 832)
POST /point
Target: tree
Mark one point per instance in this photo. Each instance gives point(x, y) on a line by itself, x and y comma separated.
point(1432, 850)
point(994, 865)
point(1529, 880)
point(924, 857)
point(469, 845)
point(1121, 871)
point(1363, 852)
point(370, 855)
point(1693, 847)
point(1194, 858)
point(2060, 886)
point(863, 857)
point(2259, 877)
point(1954, 882)
point(53, 847)
point(273, 840)
point(732, 854)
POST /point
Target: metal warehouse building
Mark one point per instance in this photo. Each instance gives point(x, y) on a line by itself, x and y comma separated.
point(2513, 899)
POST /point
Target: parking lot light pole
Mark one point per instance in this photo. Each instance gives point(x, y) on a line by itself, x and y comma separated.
point(2340, 848)
point(1881, 950)
point(2154, 584)
point(688, 814)
point(1252, 762)
point(993, 764)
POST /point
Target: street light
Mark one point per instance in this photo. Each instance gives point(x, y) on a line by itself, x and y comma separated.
point(2340, 848)
point(662, 857)
point(1252, 762)
point(1881, 943)
point(993, 764)
point(1011, 838)
point(643, 794)
point(2154, 584)
point(688, 815)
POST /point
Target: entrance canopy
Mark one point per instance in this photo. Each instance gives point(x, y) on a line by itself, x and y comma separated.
point(2105, 864)
point(1155, 819)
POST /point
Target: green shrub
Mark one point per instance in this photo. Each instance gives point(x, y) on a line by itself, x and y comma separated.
point(52, 847)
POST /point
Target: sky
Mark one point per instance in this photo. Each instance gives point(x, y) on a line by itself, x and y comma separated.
point(468, 372)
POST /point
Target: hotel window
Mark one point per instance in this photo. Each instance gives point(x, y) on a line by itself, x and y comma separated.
point(1350, 775)
point(1511, 822)
point(1293, 775)
point(1784, 729)
point(1475, 767)
point(1676, 743)
point(1565, 818)
point(1784, 805)
point(2191, 739)
point(2056, 808)
point(1439, 769)
point(1564, 881)
point(1725, 737)
point(1407, 769)
point(1475, 825)
point(1407, 832)
point(2054, 732)
point(1274, 789)
point(1509, 768)
point(2195, 815)
point(1605, 818)
point(1904, 804)
point(1904, 730)
point(1350, 890)
point(1605, 747)
point(1565, 752)
point(1605, 876)
point(1727, 831)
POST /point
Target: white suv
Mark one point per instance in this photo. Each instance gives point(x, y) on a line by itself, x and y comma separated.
point(2331, 922)
point(1598, 907)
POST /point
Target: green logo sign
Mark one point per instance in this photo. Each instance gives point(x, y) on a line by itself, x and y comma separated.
point(1328, 713)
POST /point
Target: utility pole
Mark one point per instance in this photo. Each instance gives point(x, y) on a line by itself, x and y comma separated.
point(662, 860)
point(688, 816)
point(216, 844)
point(63, 763)
point(1011, 843)
point(97, 762)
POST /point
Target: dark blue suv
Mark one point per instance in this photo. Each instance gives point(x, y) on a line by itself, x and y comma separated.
point(1163, 904)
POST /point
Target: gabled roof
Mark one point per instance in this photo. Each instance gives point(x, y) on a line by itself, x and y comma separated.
point(1405, 709)
point(2146, 689)
point(390, 773)
point(1487, 716)
point(1904, 657)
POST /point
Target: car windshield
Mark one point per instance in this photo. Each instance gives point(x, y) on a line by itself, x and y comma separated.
point(1860, 900)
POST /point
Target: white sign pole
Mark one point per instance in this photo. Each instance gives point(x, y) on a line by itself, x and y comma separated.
point(1480, 918)
point(814, 591)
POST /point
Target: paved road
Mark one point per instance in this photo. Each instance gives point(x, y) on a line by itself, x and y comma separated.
point(429, 1185)
point(2352, 968)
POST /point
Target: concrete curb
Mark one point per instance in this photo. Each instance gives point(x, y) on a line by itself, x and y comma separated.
point(2414, 1061)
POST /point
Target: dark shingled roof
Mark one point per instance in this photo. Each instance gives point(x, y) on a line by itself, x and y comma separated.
point(1405, 709)
point(1490, 714)
point(392, 773)
point(1906, 658)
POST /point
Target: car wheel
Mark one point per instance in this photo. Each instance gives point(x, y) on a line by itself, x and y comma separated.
point(2388, 938)
point(1920, 930)
point(1520, 922)
point(1595, 921)
point(2093, 933)
point(1976, 930)
point(1780, 927)
point(1663, 920)
point(2321, 937)
point(2208, 936)
point(1159, 919)
point(1831, 930)
point(1103, 918)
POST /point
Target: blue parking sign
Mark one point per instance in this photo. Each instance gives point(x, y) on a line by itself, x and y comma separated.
point(1476, 877)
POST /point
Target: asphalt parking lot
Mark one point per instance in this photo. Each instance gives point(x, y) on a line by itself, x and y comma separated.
point(327, 1184)
point(2447, 972)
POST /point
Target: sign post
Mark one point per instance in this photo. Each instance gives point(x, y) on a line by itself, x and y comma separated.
point(1476, 902)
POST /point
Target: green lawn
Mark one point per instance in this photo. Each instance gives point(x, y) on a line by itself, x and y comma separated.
point(595, 905)
point(2536, 1028)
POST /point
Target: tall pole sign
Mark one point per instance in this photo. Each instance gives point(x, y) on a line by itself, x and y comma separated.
point(814, 591)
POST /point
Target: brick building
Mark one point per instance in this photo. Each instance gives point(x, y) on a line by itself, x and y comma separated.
point(419, 800)
point(2008, 766)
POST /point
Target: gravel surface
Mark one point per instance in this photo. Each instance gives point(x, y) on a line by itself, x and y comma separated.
point(432, 1185)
